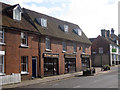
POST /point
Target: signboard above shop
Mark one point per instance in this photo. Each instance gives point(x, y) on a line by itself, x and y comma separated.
point(70, 55)
point(85, 56)
point(51, 55)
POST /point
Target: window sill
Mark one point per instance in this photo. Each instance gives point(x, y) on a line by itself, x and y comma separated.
point(63, 51)
point(2, 43)
point(48, 50)
point(24, 46)
point(2, 74)
point(24, 73)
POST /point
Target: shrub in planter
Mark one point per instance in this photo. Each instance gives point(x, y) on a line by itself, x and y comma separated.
point(88, 72)
point(106, 67)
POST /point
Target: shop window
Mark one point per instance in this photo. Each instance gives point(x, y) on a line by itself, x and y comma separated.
point(1, 64)
point(75, 47)
point(24, 64)
point(24, 39)
point(64, 46)
point(47, 43)
point(1, 35)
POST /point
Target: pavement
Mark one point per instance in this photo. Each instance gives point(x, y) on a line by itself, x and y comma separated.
point(52, 78)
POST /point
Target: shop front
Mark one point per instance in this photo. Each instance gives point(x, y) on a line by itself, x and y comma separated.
point(70, 63)
point(85, 61)
point(50, 64)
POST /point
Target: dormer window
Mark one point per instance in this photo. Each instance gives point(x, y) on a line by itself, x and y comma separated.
point(17, 13)
point(78, 31)
point(64, 28)
point(42, 22)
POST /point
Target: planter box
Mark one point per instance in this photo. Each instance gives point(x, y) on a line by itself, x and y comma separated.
point(90, 72)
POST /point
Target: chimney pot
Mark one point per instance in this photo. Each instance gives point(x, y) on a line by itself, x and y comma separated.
point(112, 31)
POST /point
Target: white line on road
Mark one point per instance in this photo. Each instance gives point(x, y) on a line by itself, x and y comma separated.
point(77, 86)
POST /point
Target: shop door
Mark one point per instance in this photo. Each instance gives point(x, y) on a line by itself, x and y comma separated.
point(34, 67)
point(85, 63)
point(50, 66)
point(70, 65)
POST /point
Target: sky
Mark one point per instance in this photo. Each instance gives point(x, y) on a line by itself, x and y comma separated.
point(90, 15)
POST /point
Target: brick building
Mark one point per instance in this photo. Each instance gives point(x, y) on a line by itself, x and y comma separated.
point(110, 46)
point(18, 42)
point(37, 45)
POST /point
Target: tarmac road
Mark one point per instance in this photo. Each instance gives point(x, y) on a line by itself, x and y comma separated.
point(104, 80)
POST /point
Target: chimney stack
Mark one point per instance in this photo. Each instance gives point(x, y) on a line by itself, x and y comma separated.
point(119, 35)
point(103, 32)
point(112, 31)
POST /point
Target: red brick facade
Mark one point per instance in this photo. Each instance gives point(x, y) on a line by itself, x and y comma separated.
point(56, 47)
point(36, 43)
point(14, 51)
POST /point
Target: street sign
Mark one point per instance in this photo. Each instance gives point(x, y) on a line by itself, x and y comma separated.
point(100, 50)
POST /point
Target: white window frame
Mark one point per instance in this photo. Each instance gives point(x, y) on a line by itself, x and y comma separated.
point(65, 28)
point(47, 41)
point(24, 72)
point(14, 13)
point(43, 22)
point(78, 31)
point(64, 48)
point(2, 36)
point(2, 73)
point(26, 38)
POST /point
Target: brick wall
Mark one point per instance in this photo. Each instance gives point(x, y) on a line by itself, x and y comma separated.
point(56, 47)
point(13, 52)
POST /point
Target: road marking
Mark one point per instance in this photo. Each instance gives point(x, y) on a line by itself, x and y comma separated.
point(77, 86)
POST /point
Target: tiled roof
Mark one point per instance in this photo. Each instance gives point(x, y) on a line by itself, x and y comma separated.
point(8, 21)
point(54, 30)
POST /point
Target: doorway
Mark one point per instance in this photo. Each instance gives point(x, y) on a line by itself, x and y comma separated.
point(34, 67)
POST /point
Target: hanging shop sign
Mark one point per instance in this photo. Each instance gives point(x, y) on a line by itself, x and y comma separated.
point(113, 50)
point(70, 55)
point(85, 56)
point(52, 55)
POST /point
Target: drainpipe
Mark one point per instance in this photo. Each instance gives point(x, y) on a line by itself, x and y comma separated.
point(39, 54)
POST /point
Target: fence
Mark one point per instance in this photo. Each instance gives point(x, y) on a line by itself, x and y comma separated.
point(9, 79)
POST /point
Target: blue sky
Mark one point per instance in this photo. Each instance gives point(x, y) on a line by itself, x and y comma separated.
point(90, 15)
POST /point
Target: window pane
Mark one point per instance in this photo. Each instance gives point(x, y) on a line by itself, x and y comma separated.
point(17, 14)
point(1, 64)
point(1, 35)
point(43, 22)
point(24, 62)
point(47, 43)
point(23, 38)
point(75, 48)
point(64, 46)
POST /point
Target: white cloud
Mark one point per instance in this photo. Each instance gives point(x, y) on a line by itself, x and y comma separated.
point(20, 1)
point(42, 9)
point(90, 15)
point(93, 15)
